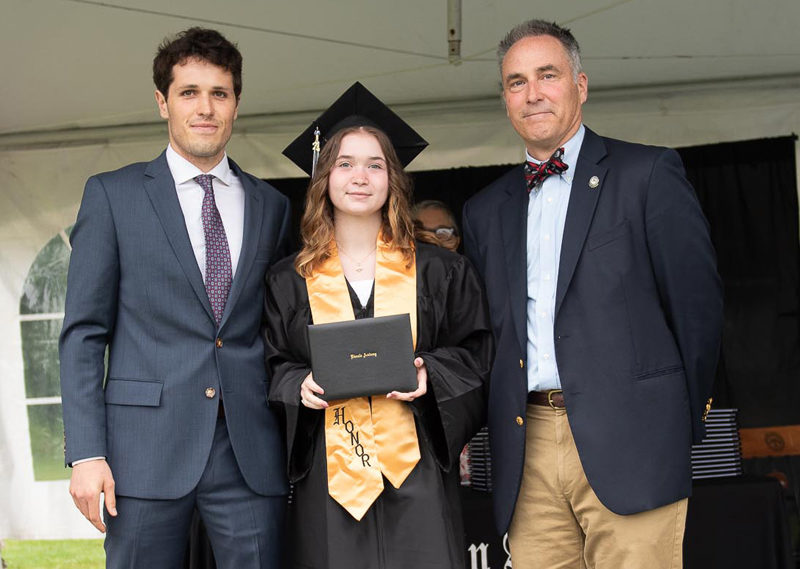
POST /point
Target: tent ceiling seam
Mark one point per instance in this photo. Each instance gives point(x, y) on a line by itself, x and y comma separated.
point(295, 35)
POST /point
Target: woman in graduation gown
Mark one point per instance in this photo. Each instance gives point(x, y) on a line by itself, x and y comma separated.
point(359, 260)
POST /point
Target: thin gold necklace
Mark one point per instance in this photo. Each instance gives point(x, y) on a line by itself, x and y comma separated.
point(358, 267)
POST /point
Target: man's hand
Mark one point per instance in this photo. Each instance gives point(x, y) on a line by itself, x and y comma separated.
point(89, 479)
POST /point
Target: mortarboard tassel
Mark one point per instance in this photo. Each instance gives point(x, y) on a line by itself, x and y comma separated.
point(315, 151)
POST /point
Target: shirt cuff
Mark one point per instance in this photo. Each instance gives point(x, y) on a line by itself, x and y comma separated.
point(74, 462)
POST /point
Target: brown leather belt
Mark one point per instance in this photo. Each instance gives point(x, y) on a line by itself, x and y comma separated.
point(553, 398)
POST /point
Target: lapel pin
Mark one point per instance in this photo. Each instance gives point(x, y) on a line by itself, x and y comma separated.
point(594, 181)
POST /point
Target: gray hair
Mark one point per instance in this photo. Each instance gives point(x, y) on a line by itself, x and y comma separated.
point(434, 204)
point(535, 28)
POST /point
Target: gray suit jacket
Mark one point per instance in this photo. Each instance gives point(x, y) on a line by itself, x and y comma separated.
point(134, 286)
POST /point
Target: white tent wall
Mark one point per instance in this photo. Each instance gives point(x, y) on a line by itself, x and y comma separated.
point(42, 177)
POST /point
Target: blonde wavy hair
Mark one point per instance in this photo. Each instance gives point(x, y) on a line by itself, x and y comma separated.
point(317, 224)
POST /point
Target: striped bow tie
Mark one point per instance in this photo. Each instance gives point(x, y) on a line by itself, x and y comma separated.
point(535, 173)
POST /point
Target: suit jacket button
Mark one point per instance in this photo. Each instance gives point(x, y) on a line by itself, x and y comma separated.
point(520, 421)
point(210, 392)
point(219, 342)
point(521, 364)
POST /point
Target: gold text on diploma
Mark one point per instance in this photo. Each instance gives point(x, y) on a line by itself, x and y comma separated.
point(363, 355)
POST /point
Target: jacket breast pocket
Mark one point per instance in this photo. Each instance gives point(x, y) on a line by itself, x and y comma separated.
point(605, 237)
point(141, 392)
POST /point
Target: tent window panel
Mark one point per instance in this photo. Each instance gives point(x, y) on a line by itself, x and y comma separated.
point(47, 442)
point(41, 307)
point(45, 287)
point(40, 357)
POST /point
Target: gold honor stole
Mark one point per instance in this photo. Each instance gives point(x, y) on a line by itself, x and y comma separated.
point(363, 441)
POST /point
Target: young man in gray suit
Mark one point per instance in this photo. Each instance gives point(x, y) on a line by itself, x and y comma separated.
point(167, 273)
point(607, 315)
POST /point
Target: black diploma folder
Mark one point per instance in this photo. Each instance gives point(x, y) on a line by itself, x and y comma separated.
point(370, 356)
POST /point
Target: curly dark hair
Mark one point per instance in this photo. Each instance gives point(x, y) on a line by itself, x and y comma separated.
point(196, 43)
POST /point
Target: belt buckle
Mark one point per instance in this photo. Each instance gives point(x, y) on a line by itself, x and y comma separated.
point(550, 394)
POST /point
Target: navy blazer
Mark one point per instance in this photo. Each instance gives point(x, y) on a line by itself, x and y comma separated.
point(134, 286)
point(637, 322)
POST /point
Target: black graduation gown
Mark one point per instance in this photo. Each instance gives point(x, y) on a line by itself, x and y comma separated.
point(418, 525)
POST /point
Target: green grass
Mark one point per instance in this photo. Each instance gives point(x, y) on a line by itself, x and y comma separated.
point(53, 554)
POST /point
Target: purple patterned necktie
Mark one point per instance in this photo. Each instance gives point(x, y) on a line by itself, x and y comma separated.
point(218, 255)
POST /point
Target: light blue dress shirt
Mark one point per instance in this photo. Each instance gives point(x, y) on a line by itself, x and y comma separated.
point(547, 213)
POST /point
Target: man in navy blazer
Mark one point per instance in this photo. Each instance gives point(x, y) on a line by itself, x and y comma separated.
point(607, 312)
point(167, 275)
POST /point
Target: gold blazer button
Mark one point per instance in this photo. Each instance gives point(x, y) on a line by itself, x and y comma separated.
point(210, 392)
point(520, 421)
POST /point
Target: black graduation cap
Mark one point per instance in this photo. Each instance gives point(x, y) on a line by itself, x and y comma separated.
point(356, 107)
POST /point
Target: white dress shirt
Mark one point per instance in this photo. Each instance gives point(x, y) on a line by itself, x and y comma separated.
point(547, 214)
point(363, 289)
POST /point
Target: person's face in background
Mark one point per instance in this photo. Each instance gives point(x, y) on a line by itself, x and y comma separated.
point(440, 223)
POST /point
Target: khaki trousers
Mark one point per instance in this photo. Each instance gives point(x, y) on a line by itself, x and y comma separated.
point(559, 523)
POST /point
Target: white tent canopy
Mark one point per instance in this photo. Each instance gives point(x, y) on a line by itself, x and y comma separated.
point(84, 63)
point(78, 99)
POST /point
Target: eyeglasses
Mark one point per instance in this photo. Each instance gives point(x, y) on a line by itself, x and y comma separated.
point(445, 231)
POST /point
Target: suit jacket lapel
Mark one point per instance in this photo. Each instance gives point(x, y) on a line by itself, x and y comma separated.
point(514, 221)
point(160, 187)
point(253, 218)
point(582, 202)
